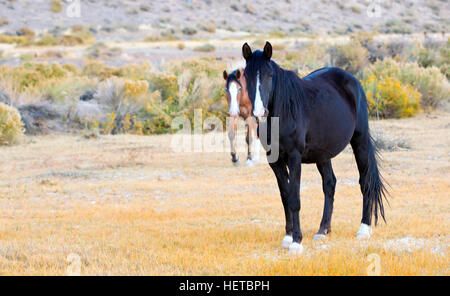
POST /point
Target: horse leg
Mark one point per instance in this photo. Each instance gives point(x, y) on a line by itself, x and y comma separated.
point(232, 136)
point(256, 142)
point(280, 170)
point(252, 141)
point(370, 182)
point(328, 186)
point(294, 165)
point(249, 141)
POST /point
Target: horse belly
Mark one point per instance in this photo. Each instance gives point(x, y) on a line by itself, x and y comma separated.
point(329, 133)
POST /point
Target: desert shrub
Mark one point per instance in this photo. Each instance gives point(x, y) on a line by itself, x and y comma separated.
point(396, 26)
point(277, 34)
point(351, 56)
point(168, 35)
point(189, 31)
point(430, 82)
point(132, 99)
point(96, 69)
point(437, 55)
point(389, 142)
point(4, 21)
point(188, 85)
point(32, 76)
point(56, 6)
point(67, 89)
point(121, 98)
point(11, 39)
point(24, 36)
point(309, 56)
point(208, 27)
point(11, 126)
point(80, 35)
point(376, 50)
point(134, 71)
point(25, 31)
point(389, 98)
point(207, 47)
point(47, 40)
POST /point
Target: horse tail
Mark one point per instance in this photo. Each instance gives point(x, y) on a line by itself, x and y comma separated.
point(374, 186)
point(372, 182)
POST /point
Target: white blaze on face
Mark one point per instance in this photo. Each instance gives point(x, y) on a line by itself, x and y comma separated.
point(234, 107)
point(259, 107)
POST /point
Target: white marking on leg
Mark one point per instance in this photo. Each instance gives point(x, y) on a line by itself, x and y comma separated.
point(286, 242)
point(237, 162)
point(296, 249)
point(234, 107)
point(364, 232)
point(256, 149)
point(259, 107)
point(319, 236)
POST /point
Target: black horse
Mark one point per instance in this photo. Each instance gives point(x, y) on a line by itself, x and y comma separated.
point(319, 116)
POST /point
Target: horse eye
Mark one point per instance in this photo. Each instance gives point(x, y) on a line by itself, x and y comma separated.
point(239, 90)
point(226, 89)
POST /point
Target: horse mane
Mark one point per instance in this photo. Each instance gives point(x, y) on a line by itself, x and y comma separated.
point(289, 93)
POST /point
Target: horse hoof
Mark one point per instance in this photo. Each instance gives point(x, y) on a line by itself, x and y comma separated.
point(364, 232)
point(319, 236)
point(286, 242)
point(249, 163)
point(237, 162)
point(295, 249)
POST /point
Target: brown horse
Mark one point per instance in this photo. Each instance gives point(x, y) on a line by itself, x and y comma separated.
point(240, 106)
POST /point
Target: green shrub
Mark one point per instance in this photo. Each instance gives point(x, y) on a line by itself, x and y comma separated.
point(189, 31)
point(207, 47)
point(311, 56)
point(11, 126)
point(96, 69)
point(396, 26)
point(4, 21)
point(437, 55)
point(47, 40)
point(351, 56)
point(122, 99)
point(56, 6)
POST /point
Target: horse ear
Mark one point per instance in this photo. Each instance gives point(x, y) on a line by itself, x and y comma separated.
point(268, 50)
point(238, 74)
point(246, 51)
point(225, 75)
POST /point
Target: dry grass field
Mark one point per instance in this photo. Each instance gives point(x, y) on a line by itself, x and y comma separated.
point(128, 205)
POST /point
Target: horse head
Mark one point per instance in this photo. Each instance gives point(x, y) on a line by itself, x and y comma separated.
point(260, 75)
point(235, 90)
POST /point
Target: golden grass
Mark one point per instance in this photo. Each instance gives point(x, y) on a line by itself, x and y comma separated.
point(128, 205)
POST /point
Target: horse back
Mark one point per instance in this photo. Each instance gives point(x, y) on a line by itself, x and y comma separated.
point(342, 81)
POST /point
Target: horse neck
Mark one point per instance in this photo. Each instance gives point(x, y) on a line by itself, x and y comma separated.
point(288, 94)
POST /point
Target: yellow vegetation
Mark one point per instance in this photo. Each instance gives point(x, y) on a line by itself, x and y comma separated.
point(11, 126)
point(128, 205)
point(389, 98)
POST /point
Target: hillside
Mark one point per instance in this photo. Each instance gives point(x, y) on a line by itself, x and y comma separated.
point(123, 20)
